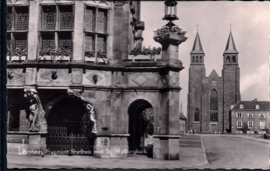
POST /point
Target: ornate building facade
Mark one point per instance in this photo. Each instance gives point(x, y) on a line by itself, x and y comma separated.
point(79, 80)
point(210, 98)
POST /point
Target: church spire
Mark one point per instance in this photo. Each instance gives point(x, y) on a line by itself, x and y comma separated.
point(230, 47)
point(197, 47)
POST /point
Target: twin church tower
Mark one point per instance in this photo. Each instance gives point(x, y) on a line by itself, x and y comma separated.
point(210, 98)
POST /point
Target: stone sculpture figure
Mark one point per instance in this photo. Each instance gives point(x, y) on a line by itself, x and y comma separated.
point(92, 115)
point(36, 114)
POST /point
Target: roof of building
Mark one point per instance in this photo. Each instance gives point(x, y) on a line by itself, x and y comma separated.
point(230, 47)
point(197, 47)
point(263, 105)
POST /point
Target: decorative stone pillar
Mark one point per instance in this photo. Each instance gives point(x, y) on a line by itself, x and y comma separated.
point(166, 139)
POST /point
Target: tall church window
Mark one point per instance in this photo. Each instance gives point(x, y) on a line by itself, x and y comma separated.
point(193, 60)
point(197, 115)
point(197, 59)
point(96, 34)
point(214, 105)
point(200, 59)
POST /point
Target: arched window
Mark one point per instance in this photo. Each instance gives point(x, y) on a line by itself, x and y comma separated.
point(200, 59)
point(193, 59)
point(233, 59)
point(197, 59)
point(197, 115)
point(228, 59)
point(214, 105)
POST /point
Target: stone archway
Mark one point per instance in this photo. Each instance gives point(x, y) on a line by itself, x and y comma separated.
point(69, 126)
point(141, 127)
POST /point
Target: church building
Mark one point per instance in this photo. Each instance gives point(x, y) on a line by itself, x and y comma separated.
point(210, 98)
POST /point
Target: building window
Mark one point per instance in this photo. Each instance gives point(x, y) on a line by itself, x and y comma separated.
point(261, 115)
point(193, 60)
point(57, 30)
point(228, 59)
point(197, 115)
point(17, 30)
point(262, 124)
point(95, 28)
point(239, 115)
point(233, 59)
point(239, 124)
point(214, 105)
point(241, 106)
point(250, 115)
point(250, 124)
point(200, 59)
point(257, 106)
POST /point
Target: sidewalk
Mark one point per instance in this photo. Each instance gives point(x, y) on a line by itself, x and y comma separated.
point(190, 157)
point(250, 137)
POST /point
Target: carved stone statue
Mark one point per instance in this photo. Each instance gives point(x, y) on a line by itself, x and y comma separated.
point(36, 114)
point(92, 115)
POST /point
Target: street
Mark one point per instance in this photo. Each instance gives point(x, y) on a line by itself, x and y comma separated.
point(233, 152)
point(214, 151)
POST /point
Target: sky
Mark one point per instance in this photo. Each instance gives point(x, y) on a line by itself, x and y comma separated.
point(250, 29)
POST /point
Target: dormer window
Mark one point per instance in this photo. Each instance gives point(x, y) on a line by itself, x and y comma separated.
point(257, 106)
point(241, 106)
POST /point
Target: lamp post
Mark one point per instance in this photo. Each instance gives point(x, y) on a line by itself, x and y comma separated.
point(170, 10)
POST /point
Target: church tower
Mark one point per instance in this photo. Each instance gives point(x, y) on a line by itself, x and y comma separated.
point(231, 77)
point(196, 74)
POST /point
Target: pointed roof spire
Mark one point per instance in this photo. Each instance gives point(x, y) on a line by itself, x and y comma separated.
point(230, 47)
point(197, 47)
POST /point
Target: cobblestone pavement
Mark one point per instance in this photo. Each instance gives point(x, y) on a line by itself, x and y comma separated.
point(235, 152)
point(191, 156)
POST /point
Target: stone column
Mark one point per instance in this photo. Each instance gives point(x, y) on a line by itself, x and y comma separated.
point(166, 140)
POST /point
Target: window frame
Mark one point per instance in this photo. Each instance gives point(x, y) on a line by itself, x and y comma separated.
point(261, 127)
point(237, 115)
point(14, 32)
point(252, 123)
point(239, 121)
point(241, 106)
point(94, 32)
point(262, 114)
point(57, 31)
point(257, 106)
point(252, 116)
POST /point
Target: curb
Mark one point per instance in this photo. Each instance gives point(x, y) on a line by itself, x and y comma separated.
point(204, 152)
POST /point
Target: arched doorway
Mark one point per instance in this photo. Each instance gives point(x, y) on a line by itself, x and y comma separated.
point(141, 127)
point(69, 128)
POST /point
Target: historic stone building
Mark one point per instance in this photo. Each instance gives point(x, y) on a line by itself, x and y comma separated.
point(79, 81)
point(210, 98)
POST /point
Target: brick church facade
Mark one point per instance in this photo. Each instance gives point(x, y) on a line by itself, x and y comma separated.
point(210, 98)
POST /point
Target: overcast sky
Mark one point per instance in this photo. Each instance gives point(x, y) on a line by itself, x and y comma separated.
point(250, 29)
